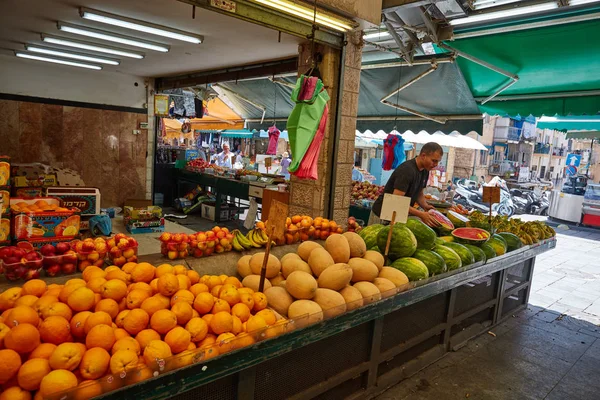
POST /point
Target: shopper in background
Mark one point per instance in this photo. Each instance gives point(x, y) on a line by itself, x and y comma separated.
point(409, 180)
point(223, 159)
point(285, 163)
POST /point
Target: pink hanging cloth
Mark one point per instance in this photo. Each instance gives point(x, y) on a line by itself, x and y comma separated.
point(273, 138)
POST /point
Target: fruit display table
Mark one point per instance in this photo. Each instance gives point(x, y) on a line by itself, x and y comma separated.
point(361, 353)
point(360, 212)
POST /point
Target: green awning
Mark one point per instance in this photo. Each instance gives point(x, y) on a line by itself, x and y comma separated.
point(570, 123)
point(583, 135)
point(237, 134)
point(549, 61)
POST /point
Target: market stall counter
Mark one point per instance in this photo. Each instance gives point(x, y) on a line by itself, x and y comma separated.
point(360, 353)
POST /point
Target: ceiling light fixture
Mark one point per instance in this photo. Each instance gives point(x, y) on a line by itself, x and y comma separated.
point(68, 54)
point(482, 4)
point(377, 35)
point(111, 37)
point(128, 23)
point(57, 61)
point(91, 46)
point(308, 14)
point(504, 13)
point(581, 2)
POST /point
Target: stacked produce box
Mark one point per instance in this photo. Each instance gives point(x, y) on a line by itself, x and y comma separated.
point(144, 220)
point(4, 200)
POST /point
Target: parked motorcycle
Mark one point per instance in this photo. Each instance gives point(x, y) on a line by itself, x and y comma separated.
point(467, 196)
point(528, 202)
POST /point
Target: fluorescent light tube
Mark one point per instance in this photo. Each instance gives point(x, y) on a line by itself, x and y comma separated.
point(67, 54)
point(57, 61)
point(140, 26)
point(112, 37)
point(91, 46)
point(377, 35)
point(581, 2)
point(504, 13)
point(307, 14)
point(482, 4)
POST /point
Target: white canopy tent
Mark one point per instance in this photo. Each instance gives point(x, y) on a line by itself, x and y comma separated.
point(453, 139)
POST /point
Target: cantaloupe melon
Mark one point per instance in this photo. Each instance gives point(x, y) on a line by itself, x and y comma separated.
point(353, 298)
point(319, 260)
point(335, 277)
point(252, 282)
point(291, 264)
point(386, 287)
point(397, 277)
point(273, 264)
point(301, 285)
point(305, 312)
point(279, 299)
point(243, 266)
point(363, 270)
point(306, 248)
point(369, 292)
point(289, 256)
point(332, 303)
point(358, 248)
point(275, 281)
point(337, 245)
point(375, 257)
point(282, 284)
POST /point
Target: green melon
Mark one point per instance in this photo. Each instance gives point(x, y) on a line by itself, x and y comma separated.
point(414, 269)
point(439, 242)
point(459, 221)
point(500, 238)
point(452, 259)
point(478, 254)
point(488, 250)
point(403, 243)
point(433, 261)
point(512, 241)
point(466, 257)
point(425, 235)
point(498, 245)
point(369, 235)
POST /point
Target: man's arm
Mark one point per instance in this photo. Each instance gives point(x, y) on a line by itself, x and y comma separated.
point(425, 216)
point(423, 202)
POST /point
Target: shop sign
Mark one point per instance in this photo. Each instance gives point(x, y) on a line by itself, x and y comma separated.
point(161, 105)
point(225, 5)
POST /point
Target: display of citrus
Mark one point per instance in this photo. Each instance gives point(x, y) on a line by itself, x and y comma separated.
point(23, 338)
point(94, 363)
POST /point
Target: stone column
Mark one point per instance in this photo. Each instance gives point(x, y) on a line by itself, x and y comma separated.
point(337, 151)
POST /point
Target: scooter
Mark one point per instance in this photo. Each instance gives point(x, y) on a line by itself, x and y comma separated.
point(526, 201)
point(472, 199)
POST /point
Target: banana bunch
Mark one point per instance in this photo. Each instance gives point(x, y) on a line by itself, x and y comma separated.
point(257, 237)
point(240, 242)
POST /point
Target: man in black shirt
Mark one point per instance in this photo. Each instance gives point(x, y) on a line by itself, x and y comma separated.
point(409, 180)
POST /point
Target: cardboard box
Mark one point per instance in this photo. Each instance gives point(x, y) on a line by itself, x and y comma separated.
point(4, 229)
point(34, 174)
point(29, 225)
point(4, 199)
point(137, 227)
point(85, 199)
point(227, 212)
point(143, 214)
point(68, 177)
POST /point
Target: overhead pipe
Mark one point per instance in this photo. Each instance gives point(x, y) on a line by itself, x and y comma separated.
point(462, 117)
point(414, 112)
point(553, 95)
point(384, 49)
point(407, 53)
point(423, 61)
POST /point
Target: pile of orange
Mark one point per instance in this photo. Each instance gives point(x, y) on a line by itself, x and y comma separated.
point(302, 228)
point(38, 206)
point(119, 326)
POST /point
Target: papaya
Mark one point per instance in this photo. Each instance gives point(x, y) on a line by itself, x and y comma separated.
point(273, 264)
point(386, 287)
point(252, 282)
point(279, 299)
point(337, 245)
point(369, 292)
point(375, 257)
point(291, 264)
point(397, 277)
point(308, 309)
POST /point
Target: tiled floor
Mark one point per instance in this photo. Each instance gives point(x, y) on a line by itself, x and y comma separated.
point(550, 351)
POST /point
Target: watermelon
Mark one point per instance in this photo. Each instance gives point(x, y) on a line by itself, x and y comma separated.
point(512, 241)
point(369, 235)
point(447, 239)
point(433, 261)
point(470, 235)
point(500, 238)
point(452, 259)
point(497, 244)
point(414, 269)
point(466, 257)
point(478, 254)
point(488, 250)
point(403, 243)
point(425, 235)
point(439, 242)
point(459, 221)
point(445, 226)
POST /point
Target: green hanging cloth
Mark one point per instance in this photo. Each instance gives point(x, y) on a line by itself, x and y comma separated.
point(303, 122)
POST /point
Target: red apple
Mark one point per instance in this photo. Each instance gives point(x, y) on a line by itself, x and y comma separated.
point(123, 244)
point(172, 255)
point(48, 250)
point(68, 268)
point(120, 236)
point(70, 257)
point(178, 238)
point(6, 252)
point(88, 247)
point(132, 259)
point(132, 242)
point(119, 261)
point(54, 270)
point(32, 274)
point(165, 237)
point(198, 253)
point(18, 253)
point(62, 247)
point(115, 252)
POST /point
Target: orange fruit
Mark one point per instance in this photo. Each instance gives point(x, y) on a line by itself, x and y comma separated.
point(268, 316)
point(204, 302)
point(55, 330)
point(255, 323)
point(208, 341)
point(53, 290)
point(276, 329)
point(245, 290)
point(66, 356)
point(97, 318)
point(78, 324)
point(44, 350)
point(43, 303)
point(114, 289)
point(123, 361)
point(207, 318)
point(9, 297)
point(123, 304)
point(163, 269)
point(92, 272)
point(247, 299)
point(100, 336)
point(198, 329)
point(118, 274)
point(94, 363)
point(211, 352)
point(222, 278)
point(241, 311)
point(226, 342)
point(127, 343)
point(237, 325)
point(121, 333)
point(70, 288)
point(152, 305)
point(35, 287)
point(129, 267)
point(260, 301)
point(195, 314)
point(156, 350)
point(184, 281)
point(213, 281)
point(192, 345)
point(57, 309)
point(183, 295)
point(154, 285)
point(168, 285)
point(135, 298)
point(120, 320)
point(221, 305)
point(143, 272)
point(145, 337)
point(198, 288)
point(244, 339)
point(82, 299)
point(23, 338)
point(22, 315)
point(232, 280)
point(27, 300)
point(141, 286)
point(178, 339)
point(136, 321)
point(109, 306)
point(4, 329)
point(163, 321)
point(15, 393)
point(10, 362)
point(183, 311)
point(180, 269)
point(141, 373)
point(230, 295)
point(88, 390)
point(221, 322)
point(96, 284)
point(57, 381)
point(194, 276)
point(216, 290)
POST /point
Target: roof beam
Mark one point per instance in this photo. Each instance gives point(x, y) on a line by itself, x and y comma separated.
point(406, 51)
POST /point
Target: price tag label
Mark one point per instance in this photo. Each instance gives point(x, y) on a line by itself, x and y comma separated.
point(268, 163)
point(278, 213)
point(491, 194)
point(391, 203)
